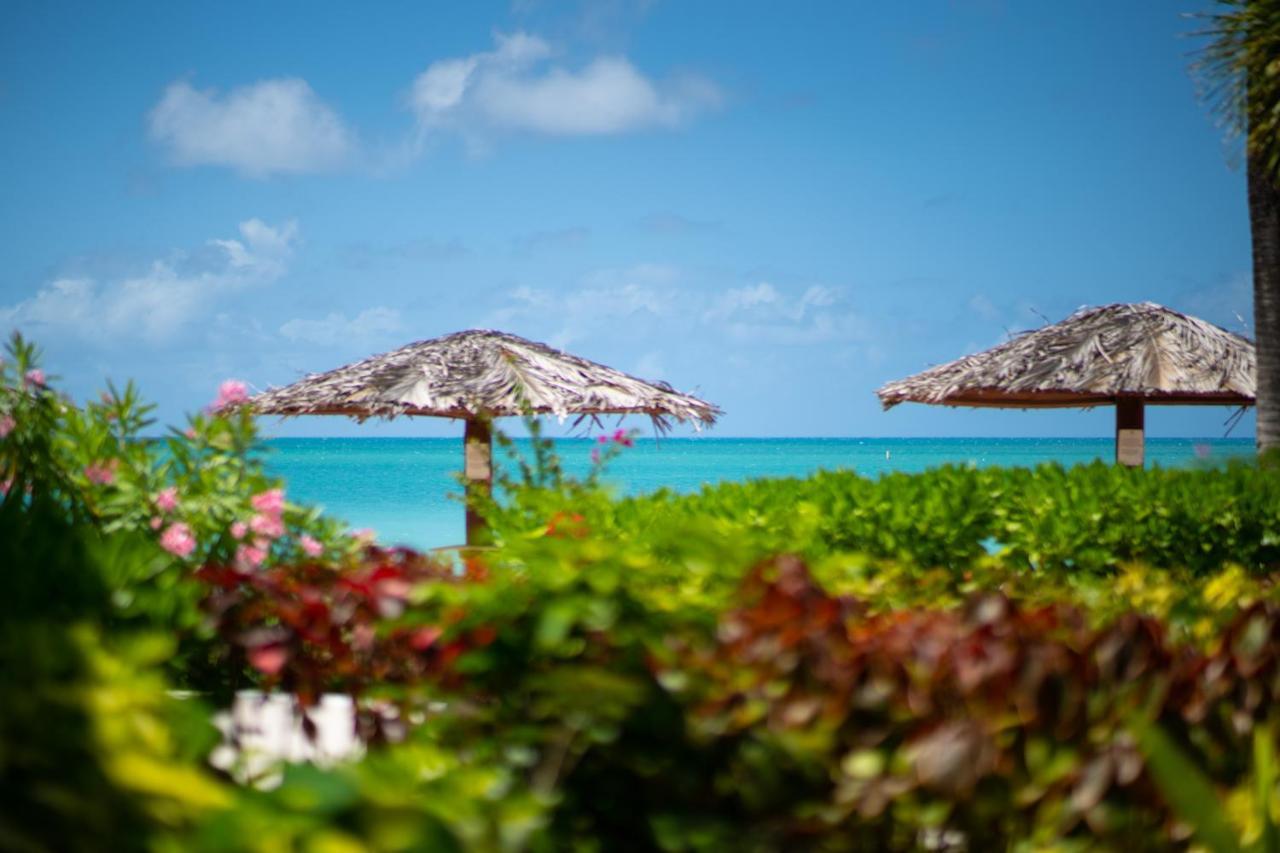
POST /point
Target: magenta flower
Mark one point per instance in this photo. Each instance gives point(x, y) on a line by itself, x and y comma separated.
point(622, 437)
point(248, 555)
point(239, 529)
point(167, 499)
point(602, 439)
point(35, 376)
point(102, 473)
point(311, 546)
point(7, 423)
point(267, 525)
point(230, 393)
point(178, 540)
point(270, 502)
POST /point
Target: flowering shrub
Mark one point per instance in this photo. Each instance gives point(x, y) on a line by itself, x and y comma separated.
point(200, 494)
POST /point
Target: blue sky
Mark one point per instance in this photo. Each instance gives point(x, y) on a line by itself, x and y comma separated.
point(777, 206)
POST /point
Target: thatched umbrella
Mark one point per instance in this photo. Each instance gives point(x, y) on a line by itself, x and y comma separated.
point(1126, 355)
point(476, 376)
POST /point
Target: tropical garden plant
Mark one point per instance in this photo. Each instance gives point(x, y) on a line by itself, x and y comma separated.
point(950, 660)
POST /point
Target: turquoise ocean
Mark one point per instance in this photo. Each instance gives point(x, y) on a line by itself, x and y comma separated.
point(401, 487)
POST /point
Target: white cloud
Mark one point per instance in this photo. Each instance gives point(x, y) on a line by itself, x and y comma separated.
point(514, 88)
point(164, 299)
point(608, 300)
point(268, 127)
point(338, 329)
point(653, 299)
point(760, 312)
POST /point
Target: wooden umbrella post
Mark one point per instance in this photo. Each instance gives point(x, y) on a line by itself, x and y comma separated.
point(478, 470)
point(1129, 432)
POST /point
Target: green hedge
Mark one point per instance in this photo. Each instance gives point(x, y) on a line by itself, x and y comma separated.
point(1087, 518)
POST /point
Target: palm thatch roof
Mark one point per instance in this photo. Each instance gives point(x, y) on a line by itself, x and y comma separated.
point(480, 373)
point(1096, 356)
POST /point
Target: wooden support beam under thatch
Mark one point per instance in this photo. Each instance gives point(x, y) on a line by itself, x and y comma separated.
point(477, 468)
point(1129, 433)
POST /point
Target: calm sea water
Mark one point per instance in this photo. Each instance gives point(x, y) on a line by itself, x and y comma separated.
point(401, 487)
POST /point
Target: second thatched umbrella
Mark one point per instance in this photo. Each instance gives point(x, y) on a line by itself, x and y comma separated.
point(1126, 355)
point(476, 376)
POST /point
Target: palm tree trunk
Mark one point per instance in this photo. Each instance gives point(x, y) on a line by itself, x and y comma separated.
point(1264, 220)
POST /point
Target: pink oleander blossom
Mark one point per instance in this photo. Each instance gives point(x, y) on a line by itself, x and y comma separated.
point(178, 540)
point(311, 546)
point(230, 393)
point(270, 502)
point(167, 499)
point(35, 376)
point(239, 529)
point(270, 526)
point(102, 473)
point(250, 556)
point(156, 523)
point(7, 423)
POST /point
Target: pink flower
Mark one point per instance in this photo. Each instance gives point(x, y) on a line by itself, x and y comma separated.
point(230, 393)
point(239, 529)
point(35, 376)
point(190, 433)
point(177, 540)
point(622, 437)
point(248, 555)
point(7, 423)
point(602, 439)
point(102, 473)
point(311, 546)
point(364, 535)
point(167, 499)
point(156, 522)
point(595, 457)
point(270, 502)
point(267, 525)
point(6, 486)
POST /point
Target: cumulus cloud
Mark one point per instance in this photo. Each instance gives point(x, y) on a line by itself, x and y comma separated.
point(268, 127)
point(514, 87)
point(337, 328)
point(155, 305)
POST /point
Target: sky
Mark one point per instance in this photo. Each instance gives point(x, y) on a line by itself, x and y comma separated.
point(779, 207)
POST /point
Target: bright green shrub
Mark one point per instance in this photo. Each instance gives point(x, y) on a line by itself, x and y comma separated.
point(1090, 518)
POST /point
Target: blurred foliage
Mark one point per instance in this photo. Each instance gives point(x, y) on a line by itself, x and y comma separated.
point(949, 660)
